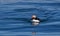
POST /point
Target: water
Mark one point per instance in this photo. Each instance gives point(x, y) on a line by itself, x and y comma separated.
point(15, 19)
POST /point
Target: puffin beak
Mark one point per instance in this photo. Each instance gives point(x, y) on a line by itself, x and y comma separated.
point(33, 17)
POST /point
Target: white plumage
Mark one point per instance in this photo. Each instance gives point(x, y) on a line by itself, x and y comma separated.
point(35, 22)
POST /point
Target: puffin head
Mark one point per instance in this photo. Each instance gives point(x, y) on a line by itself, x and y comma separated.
point(34, 16)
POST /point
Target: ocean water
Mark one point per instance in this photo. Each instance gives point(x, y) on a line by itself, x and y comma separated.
point(15, 19)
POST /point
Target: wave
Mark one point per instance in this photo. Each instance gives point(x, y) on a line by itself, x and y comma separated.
point(32, 3)
point(50, 28)
point(25, 9)
point(18, 19)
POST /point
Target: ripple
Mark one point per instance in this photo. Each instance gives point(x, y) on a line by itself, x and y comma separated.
point(25, 9)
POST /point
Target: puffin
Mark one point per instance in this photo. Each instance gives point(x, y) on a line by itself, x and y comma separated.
point(35, 20)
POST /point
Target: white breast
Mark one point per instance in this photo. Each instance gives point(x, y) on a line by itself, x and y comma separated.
point(35, 22)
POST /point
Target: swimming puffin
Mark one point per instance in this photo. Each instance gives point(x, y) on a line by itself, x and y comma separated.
point(35, 20)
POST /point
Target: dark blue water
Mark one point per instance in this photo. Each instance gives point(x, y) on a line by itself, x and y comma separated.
point(15, 19)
